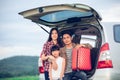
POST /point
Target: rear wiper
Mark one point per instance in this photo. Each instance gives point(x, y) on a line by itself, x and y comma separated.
point(42, 28)
point(73, 19)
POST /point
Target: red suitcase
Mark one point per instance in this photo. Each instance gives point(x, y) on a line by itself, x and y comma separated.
point(81, 59)
point(74, 59)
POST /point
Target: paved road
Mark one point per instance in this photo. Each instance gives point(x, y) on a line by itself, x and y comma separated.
point(107, 75)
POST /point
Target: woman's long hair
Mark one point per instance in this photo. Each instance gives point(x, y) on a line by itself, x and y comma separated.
point(58, 39)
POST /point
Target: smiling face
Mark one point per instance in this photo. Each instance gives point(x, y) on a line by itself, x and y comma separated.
point(54, 35)
point(55, 53)
point(67, 39)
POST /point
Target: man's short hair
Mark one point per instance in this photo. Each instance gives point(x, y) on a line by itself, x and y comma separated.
point(67, 32)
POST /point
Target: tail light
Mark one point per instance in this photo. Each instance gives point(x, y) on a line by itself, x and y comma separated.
point(104, 58)
point(40, 66)
point(41, 69)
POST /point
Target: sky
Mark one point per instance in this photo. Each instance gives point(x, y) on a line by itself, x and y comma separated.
point(19, 36)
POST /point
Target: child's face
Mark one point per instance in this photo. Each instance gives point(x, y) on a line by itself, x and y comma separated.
point(55, 53)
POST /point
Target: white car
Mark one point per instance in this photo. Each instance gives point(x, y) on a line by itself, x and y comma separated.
point(41, 69)
point(83, 22)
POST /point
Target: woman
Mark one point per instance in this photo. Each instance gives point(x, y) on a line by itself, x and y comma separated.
point(53, 39)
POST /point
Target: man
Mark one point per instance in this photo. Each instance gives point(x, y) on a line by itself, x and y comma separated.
point(66, 52)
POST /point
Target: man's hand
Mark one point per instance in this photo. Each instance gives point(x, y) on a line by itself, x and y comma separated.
point(79, 45)
point(87, 45)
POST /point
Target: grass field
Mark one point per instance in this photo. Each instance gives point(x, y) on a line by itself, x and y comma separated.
point(22, 78)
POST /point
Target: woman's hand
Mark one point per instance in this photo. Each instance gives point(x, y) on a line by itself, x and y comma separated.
point(43, 57)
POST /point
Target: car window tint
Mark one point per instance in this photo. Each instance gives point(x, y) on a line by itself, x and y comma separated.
point(64, 15)
point(117, 33)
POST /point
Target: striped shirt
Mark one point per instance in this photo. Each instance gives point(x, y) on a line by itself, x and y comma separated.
point(69, 60)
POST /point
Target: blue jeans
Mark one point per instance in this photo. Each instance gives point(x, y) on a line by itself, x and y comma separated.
point(46, 73)
point(75, 75)
point(68, 76)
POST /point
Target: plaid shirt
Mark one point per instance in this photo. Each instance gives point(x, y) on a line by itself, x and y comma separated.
point(47, 51)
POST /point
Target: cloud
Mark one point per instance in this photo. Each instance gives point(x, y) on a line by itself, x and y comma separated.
point(21, 39)
point(9, 51)
point(111, 14)
point(22, 32)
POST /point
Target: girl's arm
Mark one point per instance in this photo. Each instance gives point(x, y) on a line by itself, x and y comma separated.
point(54, 64)
point(63, 69)
point(50, 71)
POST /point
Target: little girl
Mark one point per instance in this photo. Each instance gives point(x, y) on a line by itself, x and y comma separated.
point(58, 73)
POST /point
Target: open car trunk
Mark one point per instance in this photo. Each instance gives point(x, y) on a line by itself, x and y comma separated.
point(81, 20)
point(90, 34)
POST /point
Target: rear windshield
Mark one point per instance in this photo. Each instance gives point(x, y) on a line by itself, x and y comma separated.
point(117, 33)
point(64, 15)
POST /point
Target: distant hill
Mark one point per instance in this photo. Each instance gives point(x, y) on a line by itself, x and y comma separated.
point(19, 66)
